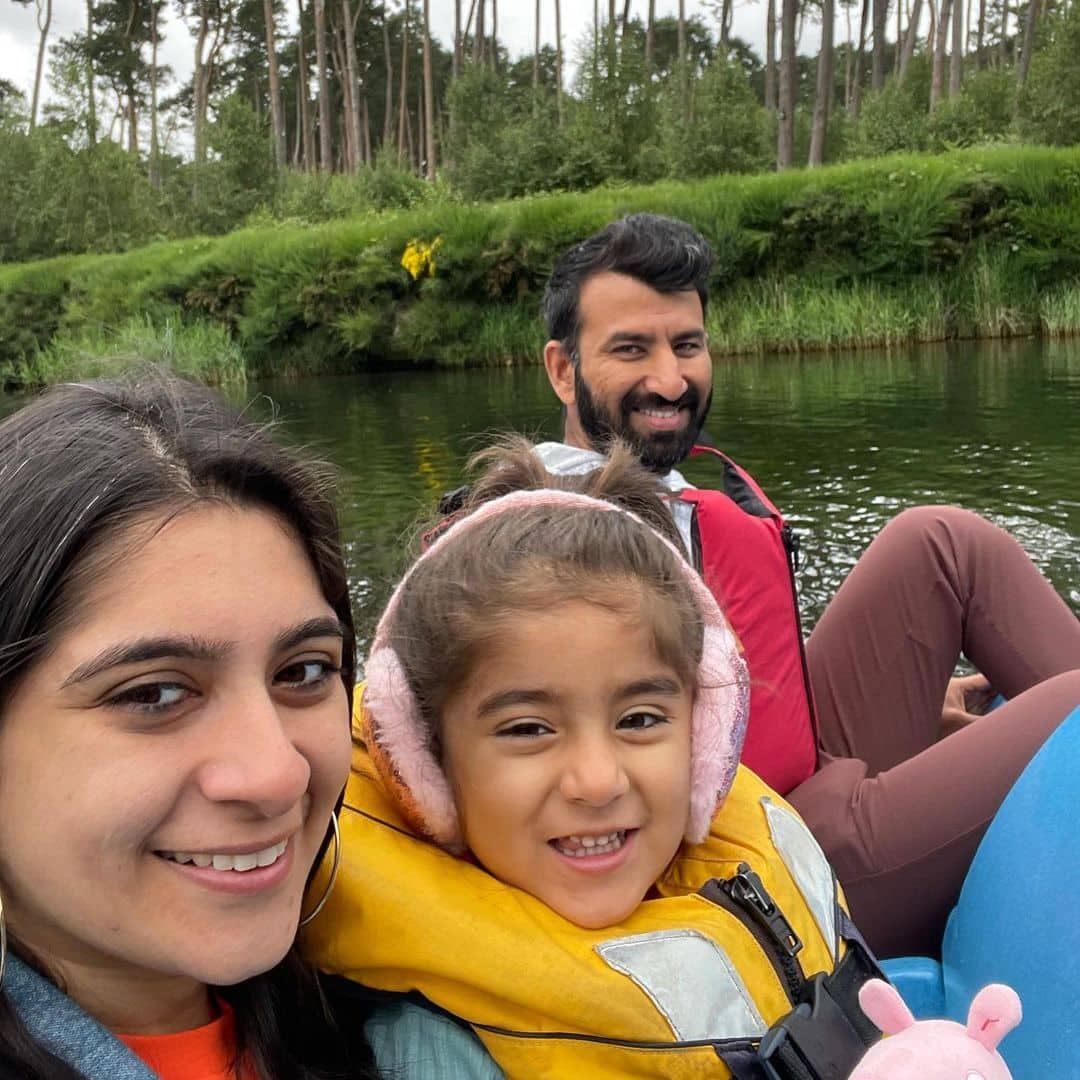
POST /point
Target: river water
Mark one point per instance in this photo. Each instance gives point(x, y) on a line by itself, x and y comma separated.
point(841, 442)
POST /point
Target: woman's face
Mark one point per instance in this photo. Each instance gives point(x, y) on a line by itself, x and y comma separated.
point(168, 769)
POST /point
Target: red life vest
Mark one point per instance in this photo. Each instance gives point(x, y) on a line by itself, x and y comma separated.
point(745, 553)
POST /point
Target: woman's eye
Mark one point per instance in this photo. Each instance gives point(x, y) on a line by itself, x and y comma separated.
point(151, 697)
point(525, 729)
point(641, 720)
point(306, 673)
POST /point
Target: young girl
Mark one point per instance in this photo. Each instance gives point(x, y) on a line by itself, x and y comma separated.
point(553, 839)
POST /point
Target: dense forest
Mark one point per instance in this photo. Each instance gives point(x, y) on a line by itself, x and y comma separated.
point(336, 106)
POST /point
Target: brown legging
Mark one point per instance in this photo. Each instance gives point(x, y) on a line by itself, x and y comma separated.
point(898, 810)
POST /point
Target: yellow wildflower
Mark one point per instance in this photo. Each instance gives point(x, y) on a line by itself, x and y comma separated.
point(419, 257)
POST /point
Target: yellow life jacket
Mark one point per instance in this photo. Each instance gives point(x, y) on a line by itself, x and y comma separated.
point(689, 985)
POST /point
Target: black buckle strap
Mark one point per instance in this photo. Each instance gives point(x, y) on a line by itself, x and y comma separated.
point(815, 1041)
point(824, 1037)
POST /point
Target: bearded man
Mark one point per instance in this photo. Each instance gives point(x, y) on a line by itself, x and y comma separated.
point(848, 726)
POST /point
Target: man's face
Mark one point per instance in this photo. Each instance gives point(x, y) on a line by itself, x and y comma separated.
point(643, 372)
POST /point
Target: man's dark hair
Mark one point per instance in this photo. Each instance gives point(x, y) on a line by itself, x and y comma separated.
point(664, 253)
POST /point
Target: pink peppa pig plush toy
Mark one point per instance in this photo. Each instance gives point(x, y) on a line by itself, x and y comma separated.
point(937, 1049)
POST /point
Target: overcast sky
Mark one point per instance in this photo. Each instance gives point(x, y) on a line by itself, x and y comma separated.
point(19, 36)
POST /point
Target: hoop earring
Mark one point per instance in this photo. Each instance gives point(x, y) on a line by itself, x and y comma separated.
point(3, 941)
point(322, 899)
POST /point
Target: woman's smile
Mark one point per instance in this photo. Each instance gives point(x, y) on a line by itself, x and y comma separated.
point(202, 728)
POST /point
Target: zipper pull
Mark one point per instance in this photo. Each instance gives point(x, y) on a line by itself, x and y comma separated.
point(749, 892)
point(792, 545)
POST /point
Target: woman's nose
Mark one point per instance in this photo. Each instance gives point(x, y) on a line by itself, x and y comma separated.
point(254, 760)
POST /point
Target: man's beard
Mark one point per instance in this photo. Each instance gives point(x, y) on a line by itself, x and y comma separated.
point(659, 451)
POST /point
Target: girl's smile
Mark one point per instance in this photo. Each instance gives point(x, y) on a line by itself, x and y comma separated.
point(568, 750)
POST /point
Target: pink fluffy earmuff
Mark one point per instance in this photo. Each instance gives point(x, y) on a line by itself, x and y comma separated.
point(399, 745)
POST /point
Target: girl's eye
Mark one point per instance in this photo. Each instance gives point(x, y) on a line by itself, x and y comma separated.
point(641, 720)
point(524, 729)
point(306, 674)
point(151, 697)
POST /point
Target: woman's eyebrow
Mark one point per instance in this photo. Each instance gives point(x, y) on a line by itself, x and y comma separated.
point(134, 652)
point(324, 626)
point(188, 648)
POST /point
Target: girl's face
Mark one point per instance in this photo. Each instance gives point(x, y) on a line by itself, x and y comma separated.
point(168, 769)
point(568, 751)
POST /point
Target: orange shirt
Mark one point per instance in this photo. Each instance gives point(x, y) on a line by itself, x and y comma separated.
point(204, 1053)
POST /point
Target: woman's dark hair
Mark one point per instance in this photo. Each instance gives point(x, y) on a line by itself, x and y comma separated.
point(80, 465)
point(664, 253)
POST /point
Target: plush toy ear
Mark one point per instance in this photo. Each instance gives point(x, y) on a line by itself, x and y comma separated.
point(883, 1004)
point(993, 1014)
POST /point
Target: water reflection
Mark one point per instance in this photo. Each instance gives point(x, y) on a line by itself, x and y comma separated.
point(841, 442)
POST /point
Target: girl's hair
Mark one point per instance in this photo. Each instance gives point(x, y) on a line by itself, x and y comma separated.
point(78, 467)
point(463, 595)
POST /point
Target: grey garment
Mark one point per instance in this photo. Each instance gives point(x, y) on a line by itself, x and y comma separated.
point(61, 1026)
point(409, 1042)
point(414, 1043)
point(565, 460)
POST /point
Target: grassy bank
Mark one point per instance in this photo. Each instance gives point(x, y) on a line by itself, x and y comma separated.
point(972, 244)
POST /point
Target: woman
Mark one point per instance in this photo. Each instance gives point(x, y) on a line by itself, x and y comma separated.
point(176, 664)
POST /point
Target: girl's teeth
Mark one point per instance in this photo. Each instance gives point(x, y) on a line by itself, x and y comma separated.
point(580, 847)
point(248, 860)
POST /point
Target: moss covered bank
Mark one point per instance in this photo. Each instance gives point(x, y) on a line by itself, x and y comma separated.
point(912, 248)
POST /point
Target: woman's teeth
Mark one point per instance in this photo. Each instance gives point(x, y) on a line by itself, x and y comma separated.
point(581, 847)
point(248, 860)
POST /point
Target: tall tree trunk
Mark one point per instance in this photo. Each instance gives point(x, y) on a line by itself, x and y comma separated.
point(823, 99)
point(941, 40)
point(650, 37)
point(479, 38)
point(91, 110)
point(684, 74)
point(956, 61)
point(558, 61)
point(455, 67)
point(980, 37)
point(403, 90)
point(877, 66)
point(908, 51)
point(727, 10)
point(326, 162)
point(785, 138)
point(624, 22)
point(429, 96)
point(277, 106)
point(536, 53)
point(1003, 44)
point(349, 154)
point(388, 102)
point(307, 119)
point(133, 125)
point(849, 56)
point(770, 55)
point(154, 171)
point(494, 35)
point(931, 33)
point(44, 21)
point(1023, 64)
point(857, 79)
point(352, 67)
